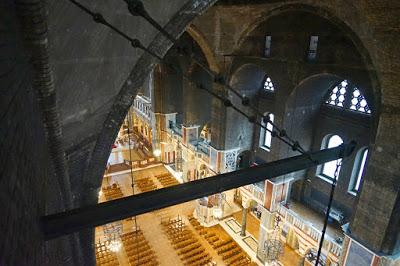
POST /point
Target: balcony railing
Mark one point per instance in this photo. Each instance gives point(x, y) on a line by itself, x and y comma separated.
point(294, 219)
point(256, 192)
point(142, 106)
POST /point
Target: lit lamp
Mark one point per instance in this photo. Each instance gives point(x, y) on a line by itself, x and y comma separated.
point(100, 193)
point(157, 152)
point(114, 245)
point(113, 232)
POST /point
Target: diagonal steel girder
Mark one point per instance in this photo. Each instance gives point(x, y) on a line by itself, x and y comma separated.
point(60, 224)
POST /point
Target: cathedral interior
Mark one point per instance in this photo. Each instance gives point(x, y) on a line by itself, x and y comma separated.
point(200, 132)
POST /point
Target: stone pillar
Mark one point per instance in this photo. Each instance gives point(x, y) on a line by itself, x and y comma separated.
point(244, 222)
point(159, 89)
point(218, 120)
point(376, 220)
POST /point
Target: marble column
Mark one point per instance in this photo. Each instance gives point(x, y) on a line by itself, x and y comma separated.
point(244, 221)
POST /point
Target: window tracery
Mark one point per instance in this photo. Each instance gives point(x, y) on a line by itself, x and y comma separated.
point(359, 103)
point(268, 85)
point(337, 95)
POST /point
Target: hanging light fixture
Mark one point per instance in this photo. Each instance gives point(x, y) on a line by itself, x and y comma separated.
point(114, 245)
point(273, 247)
point(157, 152)
point(112, 232)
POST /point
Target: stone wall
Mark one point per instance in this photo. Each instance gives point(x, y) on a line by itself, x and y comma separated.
point(372, 27)
point(23, 151)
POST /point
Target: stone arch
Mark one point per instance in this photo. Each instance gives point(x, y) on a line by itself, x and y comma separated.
point(248, 79)
point(309, 94)
point(199, 38)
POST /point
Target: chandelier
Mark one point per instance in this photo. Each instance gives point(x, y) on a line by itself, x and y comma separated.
point(273, 247)
point(114, 245)
point(112, 232)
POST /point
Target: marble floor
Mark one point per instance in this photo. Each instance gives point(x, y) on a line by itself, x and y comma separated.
point(253, 224)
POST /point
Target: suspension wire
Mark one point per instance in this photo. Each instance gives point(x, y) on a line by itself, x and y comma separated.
point(228, 103)
point(333, 186)
point(132, 185)
point(98, 18)
point(136, 8)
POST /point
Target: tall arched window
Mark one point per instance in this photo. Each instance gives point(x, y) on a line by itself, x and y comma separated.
point(358, 170)
point(266, 136)
point(327, 170)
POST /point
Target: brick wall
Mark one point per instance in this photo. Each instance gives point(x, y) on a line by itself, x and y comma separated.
point(23, 152)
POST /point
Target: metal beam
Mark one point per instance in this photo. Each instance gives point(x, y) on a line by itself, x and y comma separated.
point(75, 220)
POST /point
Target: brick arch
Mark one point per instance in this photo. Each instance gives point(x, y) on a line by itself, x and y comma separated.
point(205, 47)
point(248, 78)
point(345, 22)
point(160, 45)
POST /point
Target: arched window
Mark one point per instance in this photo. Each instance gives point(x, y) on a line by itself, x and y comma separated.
point(327, 170)
point(268, 85)
point(337, 95)
point(358, 170)
point(266, 136)
point(359, 103)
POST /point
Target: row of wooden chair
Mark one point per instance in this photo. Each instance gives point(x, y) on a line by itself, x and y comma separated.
point(146, 184)
point(162, 175)
point(199, 260)
point(138, 249)
point(167, 180)
point(186, 244)
point(147, 259)
point(229, 250)
point(221, 243)
point(112, 192)
point(104, 256)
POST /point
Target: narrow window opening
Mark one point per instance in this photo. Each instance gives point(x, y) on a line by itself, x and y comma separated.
point(312, 51)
